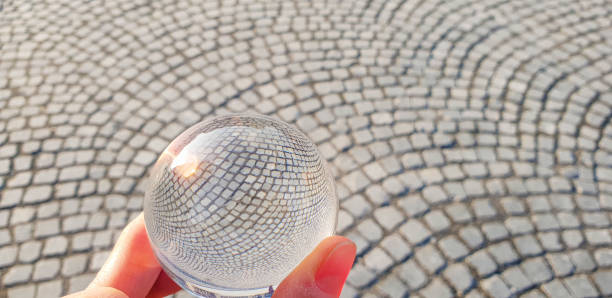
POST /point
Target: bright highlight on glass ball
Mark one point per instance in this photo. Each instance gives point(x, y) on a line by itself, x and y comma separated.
point(235, 203)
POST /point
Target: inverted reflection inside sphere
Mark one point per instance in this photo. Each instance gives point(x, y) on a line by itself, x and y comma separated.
point(235, 203)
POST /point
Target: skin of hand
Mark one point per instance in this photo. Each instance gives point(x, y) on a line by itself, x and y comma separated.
point(132, 270)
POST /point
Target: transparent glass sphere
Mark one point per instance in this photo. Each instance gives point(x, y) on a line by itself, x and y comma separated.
point(235, 203)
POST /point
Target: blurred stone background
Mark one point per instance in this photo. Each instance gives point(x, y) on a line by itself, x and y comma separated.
point(471, 140)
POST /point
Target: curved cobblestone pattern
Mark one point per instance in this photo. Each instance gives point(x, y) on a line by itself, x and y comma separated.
point(471, 140)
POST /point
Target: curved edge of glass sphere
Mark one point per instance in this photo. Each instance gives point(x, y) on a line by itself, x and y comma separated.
point(199, 287)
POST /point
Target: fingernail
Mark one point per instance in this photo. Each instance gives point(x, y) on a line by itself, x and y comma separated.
point(335, 268)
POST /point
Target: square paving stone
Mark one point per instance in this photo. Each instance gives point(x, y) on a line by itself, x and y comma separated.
point(460, 278)
point(580, 286)
point(602, 280)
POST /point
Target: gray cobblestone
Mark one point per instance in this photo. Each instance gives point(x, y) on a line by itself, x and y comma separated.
point(55, 246)
point(431, 175)
point(603, 256)
point(430, 259)
point(503, 253)
point(555, 289)
point(484, 209)
point(102, 239)
point(22, 291)
point(572, 238)
point(545, 222)
point(5, 237)
point(412, 275)
point(460, 278)
point(388, 217)
point(459, 213)
point(495, 287)
point(73, 173)
point(79, 283)
point(22, 233)
point(391, 286)
point(69, 207)
point(360, 276)
point(596, 219)
point(74, 265)
point(37, 194)
point(396, 247)
point(472, 237)
point(602, 280)
point(4, 218)
point(415, 232)
point(537, 270)
point(17, 274)
point(513, 206)
point(98, 259)
point(561, 264)
point(29, 251)
point(20, 179)
point(82, 241)
point(411, 181)
point(519, 225)
point(370, 230)
point(598, 237)
point(357, 206)
point(8, 255)
point(527, 245)
point(435, 194)
point(345, 220)
point(412, 161)
point(413, 205)
point(22, 215)
point(47, 227)
point(580, 286)
point(378, 260)
point(568, 220)
point(582, 260)
point(49, 289)
point(46, 269)
point(74, 223)
point(551, 241)
point(437, 288)
point(516, 279)
point(437, 221)
point(453, 248)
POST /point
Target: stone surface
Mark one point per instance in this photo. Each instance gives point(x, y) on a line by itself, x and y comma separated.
point(495, 287)
point(49, 289)
point(470, 141)
point(459, 277)
point(17, 274)
point(580, 286)
point(46, 269)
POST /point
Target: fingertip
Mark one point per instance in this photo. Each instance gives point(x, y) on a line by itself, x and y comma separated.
point(323, 272)
point(334, 270)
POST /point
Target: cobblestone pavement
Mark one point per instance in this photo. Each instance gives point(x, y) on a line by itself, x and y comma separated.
point(471, 140)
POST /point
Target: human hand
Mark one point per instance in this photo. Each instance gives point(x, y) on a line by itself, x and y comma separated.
point(132, 270)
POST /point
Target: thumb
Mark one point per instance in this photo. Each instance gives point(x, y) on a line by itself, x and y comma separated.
point(322, 273)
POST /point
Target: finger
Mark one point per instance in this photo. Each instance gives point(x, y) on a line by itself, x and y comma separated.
point(131, 267)
point(163, 286)
point(322, 273)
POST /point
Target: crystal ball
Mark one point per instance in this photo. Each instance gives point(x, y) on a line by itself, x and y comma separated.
point(235, 203)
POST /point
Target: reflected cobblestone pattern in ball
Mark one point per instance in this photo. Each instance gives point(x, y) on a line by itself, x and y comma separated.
point(235, 203)
point(470, 140)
